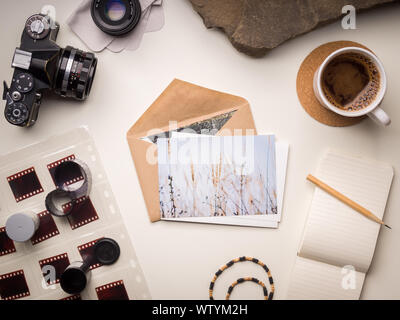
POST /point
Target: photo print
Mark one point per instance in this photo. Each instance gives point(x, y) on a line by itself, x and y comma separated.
point(216, 176)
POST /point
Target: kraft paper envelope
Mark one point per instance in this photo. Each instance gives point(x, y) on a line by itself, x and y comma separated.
point(186, 104)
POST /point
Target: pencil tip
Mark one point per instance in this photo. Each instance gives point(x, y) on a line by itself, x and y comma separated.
point(387, 226)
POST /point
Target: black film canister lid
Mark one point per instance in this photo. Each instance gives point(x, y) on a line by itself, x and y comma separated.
point(107, 251)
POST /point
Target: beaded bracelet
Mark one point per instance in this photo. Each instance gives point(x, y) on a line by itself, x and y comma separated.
point(242, 259)
point(241, 280)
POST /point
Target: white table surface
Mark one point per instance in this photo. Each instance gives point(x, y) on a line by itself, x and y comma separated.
point(179, 259)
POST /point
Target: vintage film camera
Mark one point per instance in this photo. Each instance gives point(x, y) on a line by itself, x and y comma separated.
point(40, 64)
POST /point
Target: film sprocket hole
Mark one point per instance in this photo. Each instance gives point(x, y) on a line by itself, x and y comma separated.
point(40, 64)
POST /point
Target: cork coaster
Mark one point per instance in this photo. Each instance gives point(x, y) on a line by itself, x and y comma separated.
point(305, 90)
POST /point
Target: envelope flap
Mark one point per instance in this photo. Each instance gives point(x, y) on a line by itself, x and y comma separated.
point(184, 103)
point(241, 123)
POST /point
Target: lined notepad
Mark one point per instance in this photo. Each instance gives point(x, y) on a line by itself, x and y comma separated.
point(335, 235)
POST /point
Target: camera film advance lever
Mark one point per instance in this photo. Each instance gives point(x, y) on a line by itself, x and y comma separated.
point(40, 64)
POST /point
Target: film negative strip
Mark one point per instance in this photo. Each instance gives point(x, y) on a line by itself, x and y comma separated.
point(241, 280)
point(63, 172)
point(6, 244)
point(83, 212)
point(13, 285)
point(242, 259)
point(47, 228)
point(25, 184)
point(70, 176)
point(74, 297)
point(55, 196)
point(87, 253)
point(112, 291)
point(60, 175)
point(59, 262)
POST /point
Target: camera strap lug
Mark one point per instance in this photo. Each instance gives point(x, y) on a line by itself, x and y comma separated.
point(5, 90)
point(6, 93)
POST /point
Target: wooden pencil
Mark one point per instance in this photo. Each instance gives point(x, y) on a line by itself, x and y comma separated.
point(341, 197)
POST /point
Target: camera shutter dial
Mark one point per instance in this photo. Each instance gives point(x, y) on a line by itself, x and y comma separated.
point(16, 113)
point(37, 26)
point(23, 82)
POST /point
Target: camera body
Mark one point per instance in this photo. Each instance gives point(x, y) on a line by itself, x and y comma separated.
point(40, 64)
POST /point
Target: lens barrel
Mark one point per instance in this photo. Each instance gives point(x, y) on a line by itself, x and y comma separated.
point(75, 73)
point(116, 17)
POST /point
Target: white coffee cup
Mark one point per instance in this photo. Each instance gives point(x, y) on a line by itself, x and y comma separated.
point(373, 110)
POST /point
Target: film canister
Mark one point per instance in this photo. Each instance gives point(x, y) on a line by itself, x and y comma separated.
point(75, 277)
point(21, 227)
point(106, 251)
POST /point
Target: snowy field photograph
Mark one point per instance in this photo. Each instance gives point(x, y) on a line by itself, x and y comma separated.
point(210, 176)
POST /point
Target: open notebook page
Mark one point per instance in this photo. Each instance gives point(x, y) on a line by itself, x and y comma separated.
point(313, 280)
point(336, 234)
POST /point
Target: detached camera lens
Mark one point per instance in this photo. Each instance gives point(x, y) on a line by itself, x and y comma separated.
point(116, 17)
point(115, 10)
point(76, 70)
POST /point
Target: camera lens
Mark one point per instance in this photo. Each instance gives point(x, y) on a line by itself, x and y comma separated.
point(76, 70)
point(115, 10)
point(116, 17)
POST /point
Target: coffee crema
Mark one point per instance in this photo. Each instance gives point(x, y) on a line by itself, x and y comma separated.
point(351, 81)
